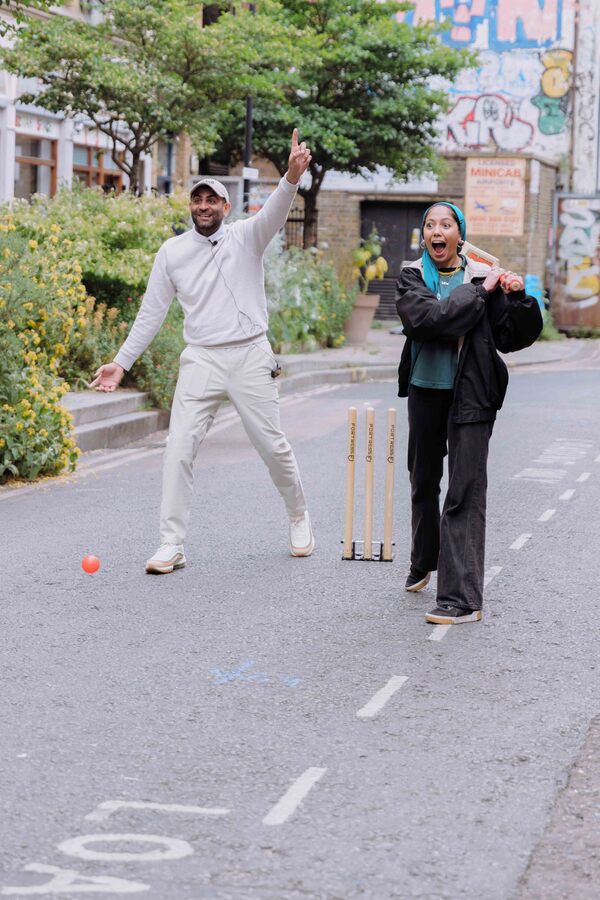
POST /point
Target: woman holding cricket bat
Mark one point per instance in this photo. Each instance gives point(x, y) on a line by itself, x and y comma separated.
point(456, 313)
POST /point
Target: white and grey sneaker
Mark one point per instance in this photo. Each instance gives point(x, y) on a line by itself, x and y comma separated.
point(302, 540)
point(166, 558)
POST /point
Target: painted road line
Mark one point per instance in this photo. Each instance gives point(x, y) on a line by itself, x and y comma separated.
point(95, 457)
point(169, 847)
point(105, 810)
point(520, 542)
point(547, 476)
point(438, 632)
point(69, 881)
point(491, 574)
point(567, 494)
point(293, 797)
point(545, 516)
point(565, 452)
point(597, 459)
point(583, 477)
point(378, 701)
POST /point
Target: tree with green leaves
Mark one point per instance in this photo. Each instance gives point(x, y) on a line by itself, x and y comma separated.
point(18, 10)
point(149, 70)
point(365, 98)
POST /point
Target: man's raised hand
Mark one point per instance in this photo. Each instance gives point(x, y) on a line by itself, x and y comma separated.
point(299, 159)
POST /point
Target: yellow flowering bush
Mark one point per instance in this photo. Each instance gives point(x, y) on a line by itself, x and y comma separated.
point(36, 328)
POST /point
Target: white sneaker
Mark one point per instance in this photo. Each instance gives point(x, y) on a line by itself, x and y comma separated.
point(302, 540)
point(166, 558)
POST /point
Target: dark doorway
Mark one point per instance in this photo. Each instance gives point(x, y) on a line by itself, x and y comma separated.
point(399, 224)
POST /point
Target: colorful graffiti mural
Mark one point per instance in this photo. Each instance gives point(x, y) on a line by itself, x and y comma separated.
point(478, 121)
point(555, 84)
point(519, 97)
point(508, 23)
point(576, 296)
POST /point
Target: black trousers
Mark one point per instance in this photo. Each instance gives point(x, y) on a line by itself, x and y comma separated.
point(453, 543)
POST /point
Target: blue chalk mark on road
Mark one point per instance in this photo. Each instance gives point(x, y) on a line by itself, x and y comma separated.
point(243, 673)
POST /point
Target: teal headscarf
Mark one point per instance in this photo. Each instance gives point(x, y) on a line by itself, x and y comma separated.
point(430, 270)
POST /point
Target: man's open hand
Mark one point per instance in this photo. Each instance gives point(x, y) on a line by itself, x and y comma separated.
point(299, 159)
point(108, 378)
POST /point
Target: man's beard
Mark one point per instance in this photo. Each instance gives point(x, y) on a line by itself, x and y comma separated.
point(207, 226)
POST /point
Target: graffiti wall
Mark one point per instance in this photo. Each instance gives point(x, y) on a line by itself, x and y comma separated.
point(520, 96)
point(576, 294)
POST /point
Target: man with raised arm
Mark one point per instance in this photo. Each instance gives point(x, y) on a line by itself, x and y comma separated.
point(216, 272)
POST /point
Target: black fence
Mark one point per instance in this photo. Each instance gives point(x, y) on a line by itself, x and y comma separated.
point(294, 227)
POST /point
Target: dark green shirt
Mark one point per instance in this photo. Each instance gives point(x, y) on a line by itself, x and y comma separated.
point(434, 363)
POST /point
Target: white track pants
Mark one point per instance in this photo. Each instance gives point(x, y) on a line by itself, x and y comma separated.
point(206, 378)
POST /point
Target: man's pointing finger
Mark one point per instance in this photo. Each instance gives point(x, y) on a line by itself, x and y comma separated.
point(294, 138)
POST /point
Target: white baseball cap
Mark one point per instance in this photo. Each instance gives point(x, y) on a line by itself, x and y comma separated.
point(214, 185)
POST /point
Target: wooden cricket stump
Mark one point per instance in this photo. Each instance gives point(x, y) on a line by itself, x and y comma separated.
point(368, 549)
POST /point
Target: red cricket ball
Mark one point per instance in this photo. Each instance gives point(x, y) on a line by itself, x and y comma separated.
point(90, 564)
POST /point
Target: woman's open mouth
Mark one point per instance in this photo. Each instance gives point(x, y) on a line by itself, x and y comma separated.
point(438, 247)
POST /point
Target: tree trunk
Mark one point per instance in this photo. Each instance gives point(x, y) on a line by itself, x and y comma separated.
point(134, 173)
point(309, 236)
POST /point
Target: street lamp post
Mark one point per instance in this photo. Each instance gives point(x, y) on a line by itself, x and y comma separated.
point(248, 141)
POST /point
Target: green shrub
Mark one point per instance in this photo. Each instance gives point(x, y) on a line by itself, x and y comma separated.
point(549, 330)
point(38, 293)
point(307, 304)
point(157, 369)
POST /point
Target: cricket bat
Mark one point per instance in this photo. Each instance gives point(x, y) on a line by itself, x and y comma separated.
point(479, 256)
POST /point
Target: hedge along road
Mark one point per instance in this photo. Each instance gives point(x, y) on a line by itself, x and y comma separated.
point(258, 726)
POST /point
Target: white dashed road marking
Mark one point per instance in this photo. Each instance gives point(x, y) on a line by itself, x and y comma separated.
point(562, 452)
point(491, 574)
point(293, 797)
point(548, 476)
point(565, 452)
point(545, 516)
point(378, 700)
point(520, 542)
point(439, 631)
point(584, 476)
point(567, 494)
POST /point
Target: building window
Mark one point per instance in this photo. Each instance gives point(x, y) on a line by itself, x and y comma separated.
point(96, 167)
point(35, 167)
point(165, 164)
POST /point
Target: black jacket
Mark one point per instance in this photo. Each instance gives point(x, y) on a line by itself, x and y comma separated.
point(486, 320)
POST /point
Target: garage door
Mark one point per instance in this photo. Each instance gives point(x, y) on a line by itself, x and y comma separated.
point(399, 224)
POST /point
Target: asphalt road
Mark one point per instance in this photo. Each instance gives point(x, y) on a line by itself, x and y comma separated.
point(222, 728)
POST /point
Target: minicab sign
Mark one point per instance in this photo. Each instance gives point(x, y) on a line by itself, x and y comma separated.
point(495, 195)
